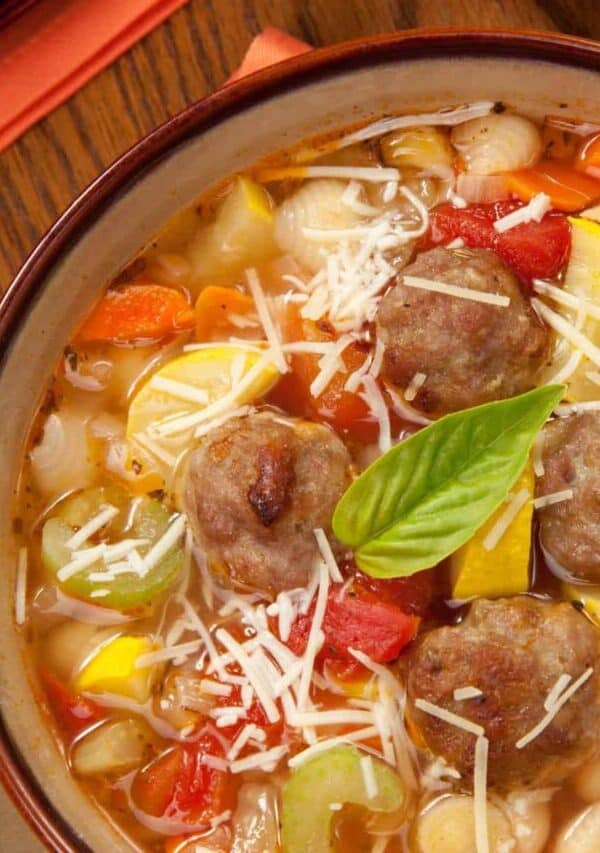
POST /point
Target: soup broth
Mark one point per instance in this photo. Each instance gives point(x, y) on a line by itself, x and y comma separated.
point(262, 615)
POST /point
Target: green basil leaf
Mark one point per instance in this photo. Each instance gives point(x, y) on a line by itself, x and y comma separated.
point(428, 495)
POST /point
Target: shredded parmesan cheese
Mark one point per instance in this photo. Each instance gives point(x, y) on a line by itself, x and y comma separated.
point(329, 365)
point(569, 300)
point(480, 795)
point(449, 717)
point(537, 456)
point(551, 714)
point(173, 426)
point(517, 502)
point(180, 389)
point(21, 587)
point(368, 774)
point(412, 389)
point(328, 555)
point(338, 717)
point(106, 514)
point(554, 498)
point(315, 637)
point(375, 367)
point(261, 688)
point(534, 211)
point(167, 541)
point(161, 655)
point(264, 315)
point(454, 290)
point(247, 733)
point(467, 693)
point(324, 745)
point(374, 399)
point(575, 408)
point(403, 409)
point(573, 335)
point(353, 173)
point(266, 760)
point(562, 682)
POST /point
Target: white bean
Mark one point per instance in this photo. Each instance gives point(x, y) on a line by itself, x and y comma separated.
point(582, 834)
point(586, 782)
point(447, 825)
point(529, 814)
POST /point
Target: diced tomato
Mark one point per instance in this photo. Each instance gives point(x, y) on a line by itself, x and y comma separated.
point(358, 620)
point(532, 250)
point(412, 595)
point(73, 713)
point(346, 412)
point(179, 785)
point(255, 714)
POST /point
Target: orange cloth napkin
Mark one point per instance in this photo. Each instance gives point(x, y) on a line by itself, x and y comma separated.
point(59, 45)
point(271, 46)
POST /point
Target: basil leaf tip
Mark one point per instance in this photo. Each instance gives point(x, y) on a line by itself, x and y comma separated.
point(428, 495)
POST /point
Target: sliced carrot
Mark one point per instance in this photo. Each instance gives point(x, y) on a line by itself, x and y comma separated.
point(137, 312)
point(214, 309)
point(569, 190)
point(588, 157)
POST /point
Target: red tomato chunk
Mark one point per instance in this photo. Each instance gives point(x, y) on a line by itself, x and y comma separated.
point(532, 250)
point(73, 713)
point(379, 629)
point(178, 785)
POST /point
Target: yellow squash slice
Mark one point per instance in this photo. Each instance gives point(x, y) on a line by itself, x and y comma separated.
point(582, 280)
point(112, 669)
point(477, 572)
point(186, 386)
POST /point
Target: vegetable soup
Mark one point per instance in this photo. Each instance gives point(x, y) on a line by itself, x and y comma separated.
point(310, 514)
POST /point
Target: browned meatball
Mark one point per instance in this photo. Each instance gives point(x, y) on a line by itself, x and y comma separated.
point(470, 352)
point(570, 530)
point(255, 490)
point(513, 650)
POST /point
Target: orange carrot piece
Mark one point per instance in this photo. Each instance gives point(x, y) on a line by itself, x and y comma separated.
point(137, 312)
point(569, 190)
point(214, 307)
point(588, 157)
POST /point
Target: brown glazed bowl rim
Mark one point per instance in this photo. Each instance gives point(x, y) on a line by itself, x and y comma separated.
point(18, 780)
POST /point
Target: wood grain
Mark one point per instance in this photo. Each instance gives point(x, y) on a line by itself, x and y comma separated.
point(187, 57)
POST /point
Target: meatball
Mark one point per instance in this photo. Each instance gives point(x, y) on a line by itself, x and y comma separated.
point(470, 352)
point(256, 489)
point(513, 650)
point(570, 530)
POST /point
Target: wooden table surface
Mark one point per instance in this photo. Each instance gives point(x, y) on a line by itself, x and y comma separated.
point(191, 54)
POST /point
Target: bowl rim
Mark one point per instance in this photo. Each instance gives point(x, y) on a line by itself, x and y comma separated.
point(406, 45)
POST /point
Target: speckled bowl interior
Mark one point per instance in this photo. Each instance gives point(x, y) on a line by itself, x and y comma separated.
point(61, 289)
